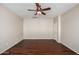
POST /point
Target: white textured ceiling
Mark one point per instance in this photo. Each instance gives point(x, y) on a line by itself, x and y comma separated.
point(56, 8)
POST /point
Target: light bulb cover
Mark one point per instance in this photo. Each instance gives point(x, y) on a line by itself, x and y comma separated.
point(38, 12)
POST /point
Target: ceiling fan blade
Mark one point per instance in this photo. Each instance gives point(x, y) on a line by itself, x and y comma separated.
point(31, 10)
point(46, 9)
point(35, 14)
point(38, 5)
point(43, 13)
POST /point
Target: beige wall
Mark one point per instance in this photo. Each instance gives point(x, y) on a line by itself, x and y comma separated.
point(10, 29)
point(55, 29)
point(70, 29)
point(39, 28)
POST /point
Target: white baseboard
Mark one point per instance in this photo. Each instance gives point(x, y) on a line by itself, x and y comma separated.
point(38, 39)
point(10, 47)
point(69, 47)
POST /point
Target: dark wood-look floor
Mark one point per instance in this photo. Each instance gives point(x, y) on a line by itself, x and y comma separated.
point(39, 47)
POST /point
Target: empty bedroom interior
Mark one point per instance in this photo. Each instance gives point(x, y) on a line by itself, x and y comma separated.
point(26, 32)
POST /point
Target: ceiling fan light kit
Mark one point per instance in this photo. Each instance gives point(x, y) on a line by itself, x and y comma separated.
point(38, 12)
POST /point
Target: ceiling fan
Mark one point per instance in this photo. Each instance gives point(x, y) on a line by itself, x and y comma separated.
point(39, 10)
